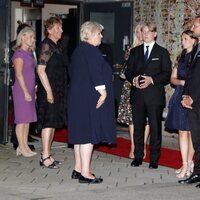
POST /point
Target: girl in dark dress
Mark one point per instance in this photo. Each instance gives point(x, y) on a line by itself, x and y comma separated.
point(52, 88)
point(91, 117)
point(177, 118)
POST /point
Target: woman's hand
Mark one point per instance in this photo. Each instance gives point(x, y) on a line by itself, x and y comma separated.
point(27, 97)
point(50, 97)
point(187, 101)
point(101, 100)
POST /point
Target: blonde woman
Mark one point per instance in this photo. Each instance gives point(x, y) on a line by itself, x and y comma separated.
point(125, 108)
point(24, 89)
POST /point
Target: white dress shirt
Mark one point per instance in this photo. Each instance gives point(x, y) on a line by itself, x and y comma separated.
point(150, 47)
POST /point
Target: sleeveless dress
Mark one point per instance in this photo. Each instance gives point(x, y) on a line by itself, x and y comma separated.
point(177, 117)
point(24, 111)
point(52, 115)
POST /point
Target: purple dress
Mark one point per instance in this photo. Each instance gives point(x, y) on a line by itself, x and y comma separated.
point(25, 112)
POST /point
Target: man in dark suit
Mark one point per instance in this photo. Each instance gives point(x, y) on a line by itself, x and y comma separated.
point(149, 70)
point(191, 100)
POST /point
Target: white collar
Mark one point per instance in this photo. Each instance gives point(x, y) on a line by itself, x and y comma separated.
point(149, 44)
point(150, 47)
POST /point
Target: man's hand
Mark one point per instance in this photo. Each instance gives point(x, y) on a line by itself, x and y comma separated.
point(145, 81)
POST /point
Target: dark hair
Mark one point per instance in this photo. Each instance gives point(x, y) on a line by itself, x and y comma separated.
point(49, 23)
point(21, 26)
point(190, 34)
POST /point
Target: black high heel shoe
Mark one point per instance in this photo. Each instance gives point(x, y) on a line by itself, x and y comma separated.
point(50, 166)
point(96, 180)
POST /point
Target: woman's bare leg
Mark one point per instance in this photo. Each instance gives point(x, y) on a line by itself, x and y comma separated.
point(190, 155)
point(86, 155)
point(77, 158)
point(46, 144)
point(183, 144)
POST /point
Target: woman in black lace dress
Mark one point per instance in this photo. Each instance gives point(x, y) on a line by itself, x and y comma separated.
point(52, 89)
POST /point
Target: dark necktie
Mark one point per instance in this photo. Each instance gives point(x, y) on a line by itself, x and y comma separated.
point(146, 54)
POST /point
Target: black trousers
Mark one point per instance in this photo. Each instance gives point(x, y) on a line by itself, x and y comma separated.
point(194, 122)
point(142, 111)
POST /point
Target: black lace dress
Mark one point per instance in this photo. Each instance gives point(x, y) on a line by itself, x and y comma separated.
point(52, 115)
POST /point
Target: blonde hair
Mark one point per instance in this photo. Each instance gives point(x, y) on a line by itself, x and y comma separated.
point(136, 40)
point(88, 28)
point(22, 33)
point(152, 27)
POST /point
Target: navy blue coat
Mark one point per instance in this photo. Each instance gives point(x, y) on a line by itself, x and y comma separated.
point(86, 124)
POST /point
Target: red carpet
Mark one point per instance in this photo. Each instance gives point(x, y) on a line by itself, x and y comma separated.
point(169, 158)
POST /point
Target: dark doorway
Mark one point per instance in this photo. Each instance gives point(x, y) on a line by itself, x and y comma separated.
point(116, 17)
point(4, 69)
point(71, 30)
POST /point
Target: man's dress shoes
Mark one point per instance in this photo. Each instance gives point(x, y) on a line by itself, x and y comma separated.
point(153, 165)
point(192, 179)
point(136, 162)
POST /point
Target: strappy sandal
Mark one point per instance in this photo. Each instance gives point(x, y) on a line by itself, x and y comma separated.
point(56, 162)
point(50, 166)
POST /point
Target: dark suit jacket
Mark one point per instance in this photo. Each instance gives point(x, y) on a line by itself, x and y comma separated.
point(193, 79)
point(158, 67)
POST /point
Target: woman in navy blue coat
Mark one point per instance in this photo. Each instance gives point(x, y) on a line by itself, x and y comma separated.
point(91, 117)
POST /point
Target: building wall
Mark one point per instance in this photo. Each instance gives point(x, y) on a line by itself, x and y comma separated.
point(172, 17)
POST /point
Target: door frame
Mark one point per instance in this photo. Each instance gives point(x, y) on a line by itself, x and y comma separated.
point(4, 68)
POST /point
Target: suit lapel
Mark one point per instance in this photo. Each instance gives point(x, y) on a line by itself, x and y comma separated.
point(153, 52)
point(194, 55)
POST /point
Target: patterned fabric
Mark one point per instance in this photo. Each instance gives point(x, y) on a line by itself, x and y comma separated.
point(125, 108)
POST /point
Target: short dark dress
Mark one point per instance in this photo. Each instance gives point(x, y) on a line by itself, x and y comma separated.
point(52, 115)
point(86, 124)
point(177, 117)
